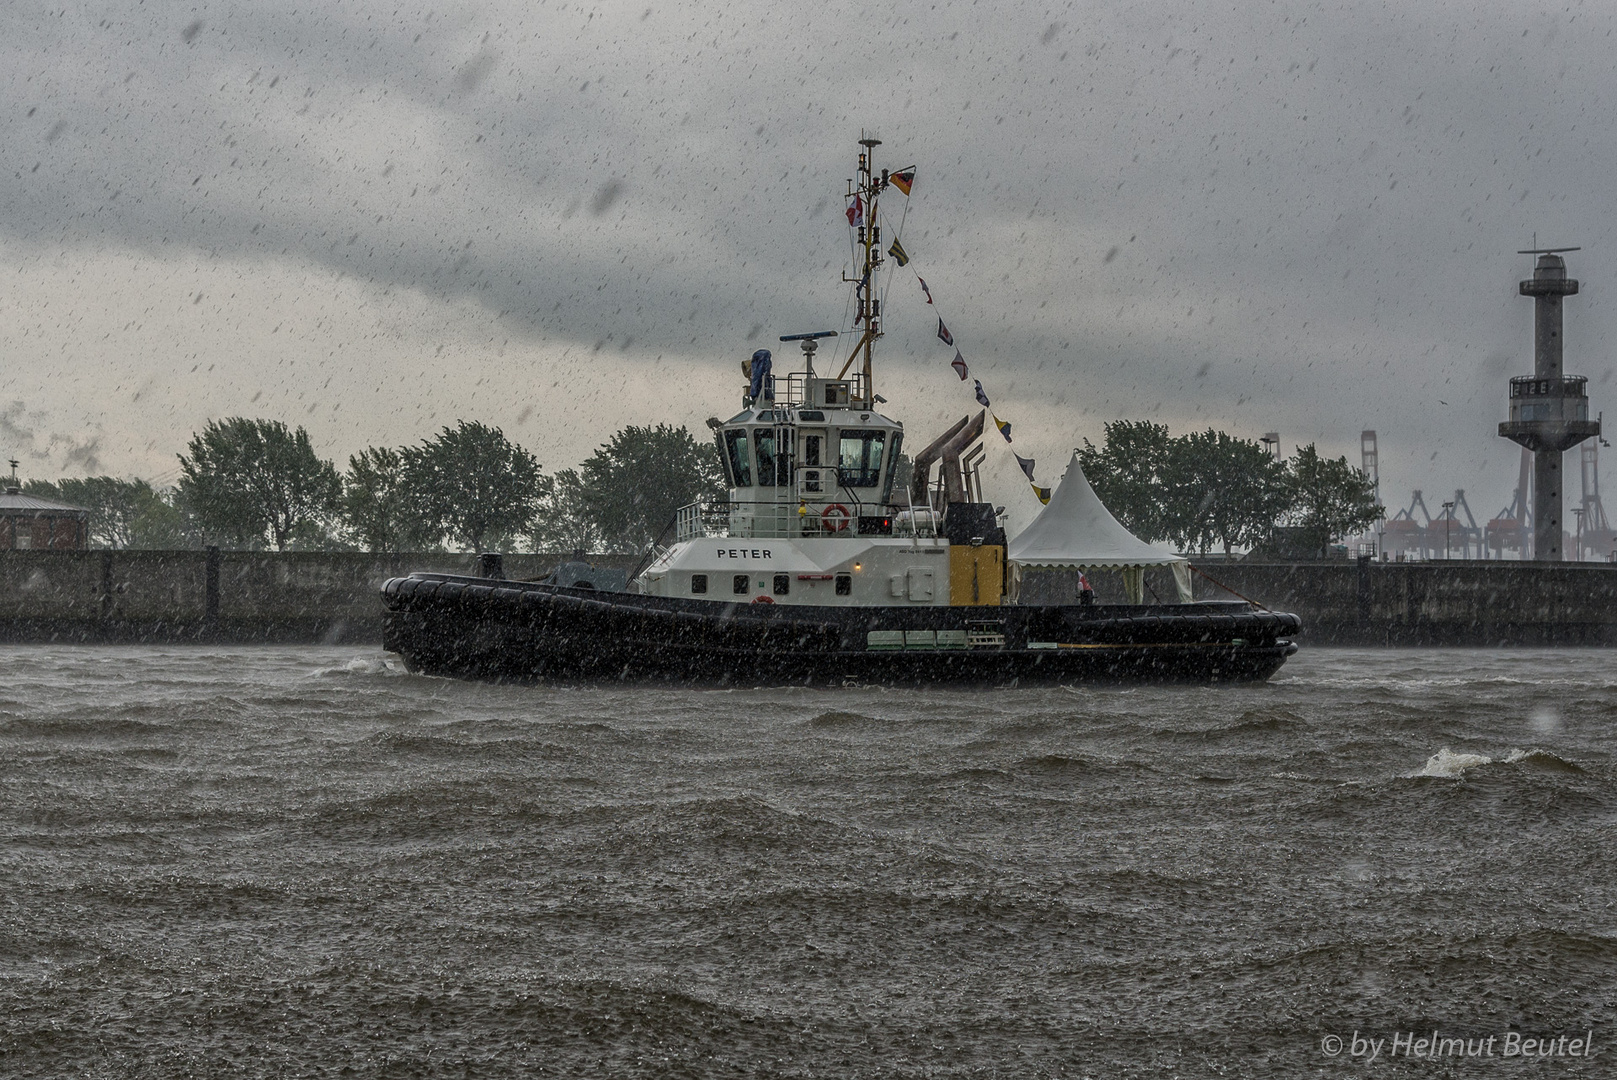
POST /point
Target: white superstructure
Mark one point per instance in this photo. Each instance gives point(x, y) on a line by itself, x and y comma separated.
point(817, 514)
point(811, 516)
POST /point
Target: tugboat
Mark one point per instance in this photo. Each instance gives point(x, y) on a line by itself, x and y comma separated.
point(823, 567)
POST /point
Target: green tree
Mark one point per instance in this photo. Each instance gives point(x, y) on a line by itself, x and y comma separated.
point(248, 480)
point(1330, 499)
point(1130, 472)
point(120, 510)
point(474, 485)
point(633, 485)
point(564, 523)
point(376, 507)
point(166, 525)
point(1222, 491)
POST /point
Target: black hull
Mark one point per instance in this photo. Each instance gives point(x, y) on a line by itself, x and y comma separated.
point(526, 632)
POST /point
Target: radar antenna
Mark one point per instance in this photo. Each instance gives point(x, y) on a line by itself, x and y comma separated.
point(811, 342)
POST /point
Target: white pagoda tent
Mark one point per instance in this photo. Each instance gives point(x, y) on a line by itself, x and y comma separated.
point(1076, 532)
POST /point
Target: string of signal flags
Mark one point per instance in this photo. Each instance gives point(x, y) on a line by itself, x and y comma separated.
point(904, 181)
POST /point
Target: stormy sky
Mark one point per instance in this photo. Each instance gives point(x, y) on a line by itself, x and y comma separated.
point(372, 219)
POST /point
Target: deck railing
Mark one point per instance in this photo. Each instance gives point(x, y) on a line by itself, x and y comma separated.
point(792, 389)
point(782, 518)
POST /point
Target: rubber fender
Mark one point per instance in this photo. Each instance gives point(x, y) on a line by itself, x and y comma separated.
point(661, 615)
point(1186, 629)
point(1275, 622)
point(686, 627)
point(563, 602)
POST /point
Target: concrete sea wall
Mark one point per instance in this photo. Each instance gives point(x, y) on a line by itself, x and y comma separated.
point(219, 596)
point(1373, 603)
point(246, 596)
point(1436, 603)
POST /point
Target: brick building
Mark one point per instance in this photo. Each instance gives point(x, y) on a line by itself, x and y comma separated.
point(27, 521)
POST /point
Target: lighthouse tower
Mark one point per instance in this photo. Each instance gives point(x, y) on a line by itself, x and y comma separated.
point(1549, 411)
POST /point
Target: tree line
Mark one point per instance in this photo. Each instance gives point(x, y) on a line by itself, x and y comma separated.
point(255, 484)
point(1208, 490)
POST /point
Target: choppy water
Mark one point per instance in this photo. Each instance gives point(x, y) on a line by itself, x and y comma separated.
point(248, 862)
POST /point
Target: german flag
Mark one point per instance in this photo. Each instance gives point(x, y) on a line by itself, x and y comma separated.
point(903, 181)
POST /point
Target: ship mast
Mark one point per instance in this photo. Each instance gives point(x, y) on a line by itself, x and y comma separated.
point(866, 188)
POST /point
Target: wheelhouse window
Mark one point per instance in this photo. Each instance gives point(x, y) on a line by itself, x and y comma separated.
point(894, 456)
point(811, 462)
point(698, 583)
point(774, 460)
point(860, 461)
point(737, 457)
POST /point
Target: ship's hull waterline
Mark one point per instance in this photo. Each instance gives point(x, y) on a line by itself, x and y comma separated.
point(529, 632)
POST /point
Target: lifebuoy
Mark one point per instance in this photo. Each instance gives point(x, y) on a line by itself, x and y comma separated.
point(835, 517)
point(763, 599)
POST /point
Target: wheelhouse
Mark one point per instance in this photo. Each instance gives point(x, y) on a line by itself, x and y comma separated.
point(808, 456)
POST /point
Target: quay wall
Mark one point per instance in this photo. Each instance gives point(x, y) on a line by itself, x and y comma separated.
point(1361, 602)
point(248, 596)
point(216, 596)
point(1482, 603)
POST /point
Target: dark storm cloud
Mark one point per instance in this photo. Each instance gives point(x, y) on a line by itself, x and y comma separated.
point(1249, 217)
point(367, 145)
point(20, 432)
